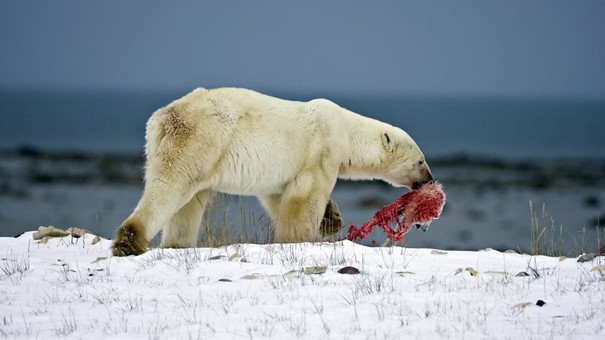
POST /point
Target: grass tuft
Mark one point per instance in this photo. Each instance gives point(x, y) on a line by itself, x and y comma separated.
point(546, 238)
point(217, 231)
point(14, 268)
point(549, 239)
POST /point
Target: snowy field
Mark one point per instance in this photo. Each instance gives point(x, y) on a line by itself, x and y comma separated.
point(72, 288)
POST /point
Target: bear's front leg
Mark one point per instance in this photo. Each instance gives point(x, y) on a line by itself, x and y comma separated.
point(299, 220)
point(302, 207)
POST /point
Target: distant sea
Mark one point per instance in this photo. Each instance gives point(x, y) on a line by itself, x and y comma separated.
point(499, 128)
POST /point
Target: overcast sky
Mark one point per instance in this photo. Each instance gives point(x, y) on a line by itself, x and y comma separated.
point(432, 48)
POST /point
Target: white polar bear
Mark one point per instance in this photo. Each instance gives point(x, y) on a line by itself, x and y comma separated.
point(241, 142)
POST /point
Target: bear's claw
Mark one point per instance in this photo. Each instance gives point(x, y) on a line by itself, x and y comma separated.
point(129, 242)
point(332, 220)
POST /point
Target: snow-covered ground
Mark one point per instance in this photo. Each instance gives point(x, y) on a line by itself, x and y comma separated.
point(72, 288)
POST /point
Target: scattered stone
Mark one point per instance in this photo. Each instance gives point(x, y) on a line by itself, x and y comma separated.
point(250, 277)
point(96, 240)
point(562, 258)
point(349, 270)
point(224, 280)
point(404, 273)
point(522, 305)
point(586, 258)
point(237, 258)
point(496, 272)
point(540, 303)
point(44, 240)
point(217, 257)
point(49, 231)
point(599, 268)
point(438, 252)
point(521, 274)
point(99, 259)
point(77, 232)
point(314, 270)
point(472, 271)
point(488, 249)
point(44, 233)
point(294, 273)
point(510, 251)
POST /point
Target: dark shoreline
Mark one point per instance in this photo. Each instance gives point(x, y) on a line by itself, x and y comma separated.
point(35, 165)
point(487, 197)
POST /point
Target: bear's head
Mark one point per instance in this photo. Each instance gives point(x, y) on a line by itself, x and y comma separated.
point(405, 165)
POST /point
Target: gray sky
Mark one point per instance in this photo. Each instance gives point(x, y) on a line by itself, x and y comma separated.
point(443, 48)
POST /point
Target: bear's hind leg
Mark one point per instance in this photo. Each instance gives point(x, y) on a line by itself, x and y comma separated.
point(160, 201)
point(271, 205)
point(183, 229)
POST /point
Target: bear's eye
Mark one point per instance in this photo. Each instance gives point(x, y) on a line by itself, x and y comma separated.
point(420, 162)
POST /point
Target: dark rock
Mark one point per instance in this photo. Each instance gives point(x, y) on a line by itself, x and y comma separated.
point(592, 201)
point(586, 258)
point(30, 151)
point(348, 270)
point(597, 222)
point(224, 280)
point(540, 303)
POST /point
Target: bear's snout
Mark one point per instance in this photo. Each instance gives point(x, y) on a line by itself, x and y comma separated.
point(418, 184)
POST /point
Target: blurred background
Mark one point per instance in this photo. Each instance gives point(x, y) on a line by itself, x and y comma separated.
point(506, 99)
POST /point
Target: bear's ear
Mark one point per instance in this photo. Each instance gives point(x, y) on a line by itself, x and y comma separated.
point(388, 142)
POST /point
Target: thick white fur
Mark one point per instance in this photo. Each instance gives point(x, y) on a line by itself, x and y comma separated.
point(287, 153)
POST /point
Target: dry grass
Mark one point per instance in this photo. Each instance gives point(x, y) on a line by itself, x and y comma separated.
point(218, 230)
point(546, 237)
point(549, 239)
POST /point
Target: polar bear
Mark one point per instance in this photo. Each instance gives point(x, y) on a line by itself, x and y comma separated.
point(287, 153)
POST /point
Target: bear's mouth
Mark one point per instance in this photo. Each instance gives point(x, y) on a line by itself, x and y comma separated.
point(417, 185)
